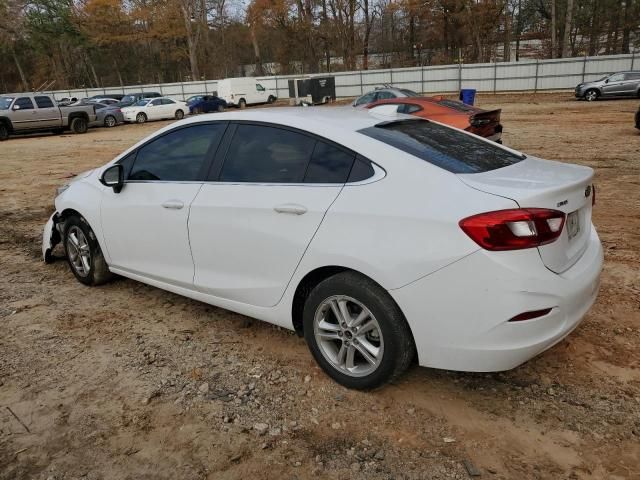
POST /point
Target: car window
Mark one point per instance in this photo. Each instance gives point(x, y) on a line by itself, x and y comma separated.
point(167, 101)
point(408, 108)
point(454, 151)
point(156, 102)
point(24, 103)
point(99, 106)
point(329, 164)
point(265, 154)
point(617, 77)
point(259, 87)
point(368, 98)
point(177, 156)
point(43, 102)
point(409, 93)
point(361, 170)
point(384, 95)
point(632, 76)
point(5, 102)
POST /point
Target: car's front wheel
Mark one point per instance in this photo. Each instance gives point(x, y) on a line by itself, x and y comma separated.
point(591, 95)
point(110, 121)
point(356, 332)
point(141, 118)
point(179, 115)
point(83, 253)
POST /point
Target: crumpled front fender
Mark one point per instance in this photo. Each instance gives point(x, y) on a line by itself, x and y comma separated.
point(50, 238)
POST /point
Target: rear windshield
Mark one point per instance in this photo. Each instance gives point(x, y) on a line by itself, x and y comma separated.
point(459, 106)
point(442, 146)
point(409, 93)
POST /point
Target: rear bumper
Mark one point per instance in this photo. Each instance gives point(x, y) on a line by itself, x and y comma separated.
point(459, 314)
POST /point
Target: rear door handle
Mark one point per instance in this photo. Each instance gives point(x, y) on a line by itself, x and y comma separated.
point(291, 208)
point(173, 204)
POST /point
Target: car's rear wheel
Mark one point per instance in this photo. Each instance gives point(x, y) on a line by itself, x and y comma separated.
point(271, 99)
point(84, 255)
point(591, 95)
point(110, 121)
point(4, 132)
point(356, 332)
point(242, 103)
point(179, 115)
point(79, 125)
point(141, 118)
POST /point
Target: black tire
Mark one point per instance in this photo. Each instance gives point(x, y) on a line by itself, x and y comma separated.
point(4, 132)
point(98, 271)
point(242, 104)
point(79, 125)
point(399, 348)
point(220, 108)
point(591, 95)
point(271, 99)
point(110, 121)
point(179, 115)
point(141, 118)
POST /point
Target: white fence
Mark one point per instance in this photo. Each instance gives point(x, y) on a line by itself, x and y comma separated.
point(529, 75)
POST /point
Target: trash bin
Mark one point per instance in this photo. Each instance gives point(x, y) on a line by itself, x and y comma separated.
point(468, 95)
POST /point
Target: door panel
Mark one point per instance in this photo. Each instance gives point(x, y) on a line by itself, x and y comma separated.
point(247, 239)
point(145, 229)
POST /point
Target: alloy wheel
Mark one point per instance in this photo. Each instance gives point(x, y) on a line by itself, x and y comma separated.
point(591, 95)
point(78, 251)
point(348, 336)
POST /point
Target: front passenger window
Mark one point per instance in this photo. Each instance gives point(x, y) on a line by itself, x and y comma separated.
point(24, 103)
point(179, 155)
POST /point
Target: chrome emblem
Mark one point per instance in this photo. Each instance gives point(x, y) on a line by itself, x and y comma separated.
point(587, 191)
point(562, 203)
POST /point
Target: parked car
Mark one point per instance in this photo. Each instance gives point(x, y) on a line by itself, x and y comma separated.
point(638, 118)
point(375, 240)
point(621, 84)
point(108, 115)
point(105, 101)
point(485, 123)
point(206, 104)
point(383, 93)
point(104, 96)
point(244, 91)
point(155, 109)
point(132, 98)
point(30, 112)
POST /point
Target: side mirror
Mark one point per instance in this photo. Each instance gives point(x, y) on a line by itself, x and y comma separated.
point(113, 177)
point(606, 81)
point(16, 107)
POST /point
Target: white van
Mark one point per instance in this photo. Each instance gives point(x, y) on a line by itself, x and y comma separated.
point(244, 91)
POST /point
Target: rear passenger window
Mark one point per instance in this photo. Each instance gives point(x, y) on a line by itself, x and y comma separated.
point(264, 154)
point(177, 156)
point(24, 103)
point(329, 164)
point(43, 102)
point(361, 170)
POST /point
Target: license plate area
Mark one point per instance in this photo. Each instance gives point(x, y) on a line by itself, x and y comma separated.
point(573, 224)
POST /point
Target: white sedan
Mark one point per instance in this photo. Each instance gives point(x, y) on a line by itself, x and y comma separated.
point(155, 109)
point(378, 239)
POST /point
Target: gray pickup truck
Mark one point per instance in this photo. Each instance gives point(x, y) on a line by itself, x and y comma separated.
point(29, 112)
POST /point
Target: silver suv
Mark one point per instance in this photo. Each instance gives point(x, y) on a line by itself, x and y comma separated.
point(621, 84)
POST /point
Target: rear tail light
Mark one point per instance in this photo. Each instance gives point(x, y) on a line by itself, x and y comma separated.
point(479, 122)
point(514, 229)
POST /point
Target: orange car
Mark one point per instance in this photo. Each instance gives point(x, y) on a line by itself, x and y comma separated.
point(485, 123)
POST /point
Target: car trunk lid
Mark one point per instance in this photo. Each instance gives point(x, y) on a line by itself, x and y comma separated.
point(536, 183)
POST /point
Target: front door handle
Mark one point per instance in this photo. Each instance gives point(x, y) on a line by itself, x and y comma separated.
point(173, 204)
point(291, 208)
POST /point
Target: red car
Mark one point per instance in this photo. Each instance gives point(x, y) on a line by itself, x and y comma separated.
point(485, 123)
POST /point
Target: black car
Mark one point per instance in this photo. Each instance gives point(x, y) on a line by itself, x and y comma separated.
point(206, 104)
point(131, 98)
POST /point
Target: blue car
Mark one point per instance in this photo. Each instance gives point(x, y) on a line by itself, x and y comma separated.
point(206, 104)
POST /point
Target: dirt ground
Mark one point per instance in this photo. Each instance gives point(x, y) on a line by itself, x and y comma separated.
point(126, 381)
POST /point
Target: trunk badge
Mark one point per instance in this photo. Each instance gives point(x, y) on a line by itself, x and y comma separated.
point(562, 203)
point(587, 191)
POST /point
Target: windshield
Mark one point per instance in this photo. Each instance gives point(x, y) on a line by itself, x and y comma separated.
point(141, 103)
point(442, 146)
point(5, 102)
point(128, 99)
point(194, 99)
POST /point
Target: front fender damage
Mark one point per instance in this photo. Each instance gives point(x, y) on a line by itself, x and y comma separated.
point(50, 237)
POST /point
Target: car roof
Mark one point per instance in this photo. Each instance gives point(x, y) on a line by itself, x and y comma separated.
point(319, 120)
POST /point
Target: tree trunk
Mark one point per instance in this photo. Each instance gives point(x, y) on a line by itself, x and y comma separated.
point(594, 30)
point(567, 30)
point(20, 71)
point(626, 28)
point(554, 44)
point(256, 51)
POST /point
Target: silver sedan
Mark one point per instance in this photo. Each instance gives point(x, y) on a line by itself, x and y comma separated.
point(107, 115)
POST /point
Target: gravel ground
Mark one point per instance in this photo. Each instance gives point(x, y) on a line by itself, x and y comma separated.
point(127, 381)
